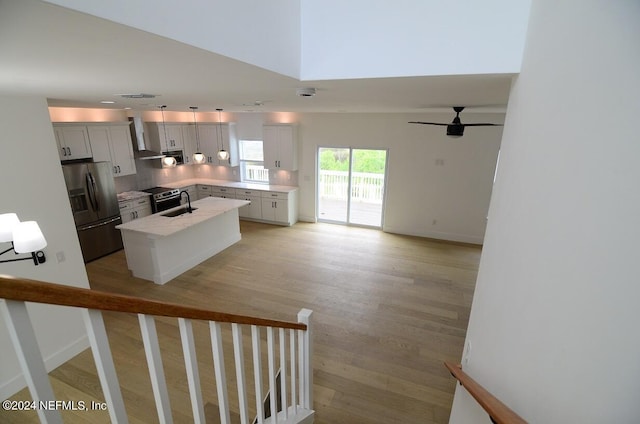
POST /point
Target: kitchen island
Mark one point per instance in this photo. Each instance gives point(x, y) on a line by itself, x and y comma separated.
point(159, 248)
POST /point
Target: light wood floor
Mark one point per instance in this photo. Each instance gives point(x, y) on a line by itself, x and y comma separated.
point(388, 310)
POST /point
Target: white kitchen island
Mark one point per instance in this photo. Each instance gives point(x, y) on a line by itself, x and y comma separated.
point(159, 248)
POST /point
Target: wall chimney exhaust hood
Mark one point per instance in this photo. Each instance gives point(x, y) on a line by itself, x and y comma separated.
point(140, 150)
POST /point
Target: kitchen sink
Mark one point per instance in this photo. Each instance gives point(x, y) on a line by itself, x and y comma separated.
point(177, 212)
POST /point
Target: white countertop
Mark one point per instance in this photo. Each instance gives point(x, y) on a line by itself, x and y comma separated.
point(157, 225)
point(233, 184)
point(131, 195)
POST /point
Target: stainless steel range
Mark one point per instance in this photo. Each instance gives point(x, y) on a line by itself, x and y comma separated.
point(163, 198)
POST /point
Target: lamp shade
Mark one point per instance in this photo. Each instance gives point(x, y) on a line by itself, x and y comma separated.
point(223, 155)
point(199, 158)
point(169, 161)
point(7, 222)
point(28, 238)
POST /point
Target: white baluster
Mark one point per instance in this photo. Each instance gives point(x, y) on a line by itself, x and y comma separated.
point(257, 371)
point(156, 372)
point(218, 365)
point(239, 357)
point(292, 358)
point(271, 351)
point(306, 367)
point(104, 365)
point(30, 358)
point(191, 366)
point(283, 374)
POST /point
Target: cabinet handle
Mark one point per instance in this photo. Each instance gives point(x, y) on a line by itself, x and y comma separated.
point(64, 152)
point(119, 171)
point(115, 171)
point(69, 150)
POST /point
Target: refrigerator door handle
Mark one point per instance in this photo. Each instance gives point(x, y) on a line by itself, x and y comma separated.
point(89, 227)
point(94, 191)
point(90, 191)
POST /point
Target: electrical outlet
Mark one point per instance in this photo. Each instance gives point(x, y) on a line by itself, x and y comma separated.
point(60, 256)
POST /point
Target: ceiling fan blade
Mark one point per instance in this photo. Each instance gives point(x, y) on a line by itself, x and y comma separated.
point(482, 125)
point(428, 123)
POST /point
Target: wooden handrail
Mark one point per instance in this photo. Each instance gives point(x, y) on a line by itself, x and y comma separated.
point(498, 411)
point(57, 294)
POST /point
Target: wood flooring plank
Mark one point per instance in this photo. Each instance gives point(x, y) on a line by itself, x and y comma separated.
point(388, 309)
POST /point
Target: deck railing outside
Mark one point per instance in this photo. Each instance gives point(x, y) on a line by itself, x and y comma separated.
point(365, 187)
point(295, 405)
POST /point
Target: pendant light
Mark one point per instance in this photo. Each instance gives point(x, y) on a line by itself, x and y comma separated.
point(222, 154)
point(167, 161)
point(198, 157)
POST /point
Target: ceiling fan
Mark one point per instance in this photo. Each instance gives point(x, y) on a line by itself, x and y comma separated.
point(456, 128)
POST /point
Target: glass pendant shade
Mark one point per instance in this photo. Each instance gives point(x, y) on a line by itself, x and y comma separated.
point(223, 155)
point(169, 162)
point(199, 158)
point(8, 221)
point(28, 238)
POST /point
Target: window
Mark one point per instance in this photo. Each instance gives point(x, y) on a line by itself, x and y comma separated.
point(252, 162)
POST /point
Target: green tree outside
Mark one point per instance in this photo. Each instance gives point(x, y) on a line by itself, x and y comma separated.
point(370, 161)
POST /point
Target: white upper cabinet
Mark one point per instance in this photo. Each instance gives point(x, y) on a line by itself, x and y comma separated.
point(73, 141)
point(280, 147)
point(216, 136)
point(160, 143)
point(189, 140)
point(112, 143)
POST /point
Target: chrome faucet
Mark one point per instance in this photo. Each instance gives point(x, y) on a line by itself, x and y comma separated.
point(188, 201)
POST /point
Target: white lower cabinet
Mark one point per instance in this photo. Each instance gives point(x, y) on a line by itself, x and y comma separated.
point(203, 191)
point(274, 207)
point(276, 210)
point(224, 192)
point(280, 207)
point(134, 209)
point(193, 194)
point(254, 209)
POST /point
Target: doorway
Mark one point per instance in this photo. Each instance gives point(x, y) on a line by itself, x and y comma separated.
point(351, 185)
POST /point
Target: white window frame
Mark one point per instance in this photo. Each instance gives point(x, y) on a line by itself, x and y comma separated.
point(245, 163)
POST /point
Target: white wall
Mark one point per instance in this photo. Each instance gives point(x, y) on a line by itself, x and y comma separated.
point(554, 322)
point(411, 37)
point(455, 194)
point(268, 37)
point(33, 187)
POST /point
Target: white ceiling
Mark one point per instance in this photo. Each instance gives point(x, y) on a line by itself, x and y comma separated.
point(78, 60)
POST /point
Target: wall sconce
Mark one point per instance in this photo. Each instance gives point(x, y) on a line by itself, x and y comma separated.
point(25, 237)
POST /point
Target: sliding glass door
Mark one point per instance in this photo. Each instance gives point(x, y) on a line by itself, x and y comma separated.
point(351, 185)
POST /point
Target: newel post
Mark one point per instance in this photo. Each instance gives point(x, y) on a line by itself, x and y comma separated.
point(306, 366)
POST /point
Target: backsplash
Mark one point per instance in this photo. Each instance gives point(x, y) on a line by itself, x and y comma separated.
point(148, 174)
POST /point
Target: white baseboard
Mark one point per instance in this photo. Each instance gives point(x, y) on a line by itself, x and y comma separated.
point(53, 361)
point(305, 218)
point(462, 238)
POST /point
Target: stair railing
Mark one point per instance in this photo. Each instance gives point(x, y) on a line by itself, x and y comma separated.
point(295, 407)
point(499, 413)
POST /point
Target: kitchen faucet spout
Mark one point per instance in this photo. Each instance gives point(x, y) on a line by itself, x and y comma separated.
point(188, 201)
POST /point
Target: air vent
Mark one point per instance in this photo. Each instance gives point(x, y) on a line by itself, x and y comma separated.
point(137, 96)
point(306, 92)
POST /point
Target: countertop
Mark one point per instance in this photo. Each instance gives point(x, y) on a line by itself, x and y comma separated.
point(131, 195)
point(157, 225)
point(232, 184)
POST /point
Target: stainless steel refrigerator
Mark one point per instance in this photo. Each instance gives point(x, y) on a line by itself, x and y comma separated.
point(94, 204)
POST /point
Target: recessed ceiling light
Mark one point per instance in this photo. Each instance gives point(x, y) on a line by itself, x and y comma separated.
point(137, 96)
point(306, 92)
point(107, 102)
